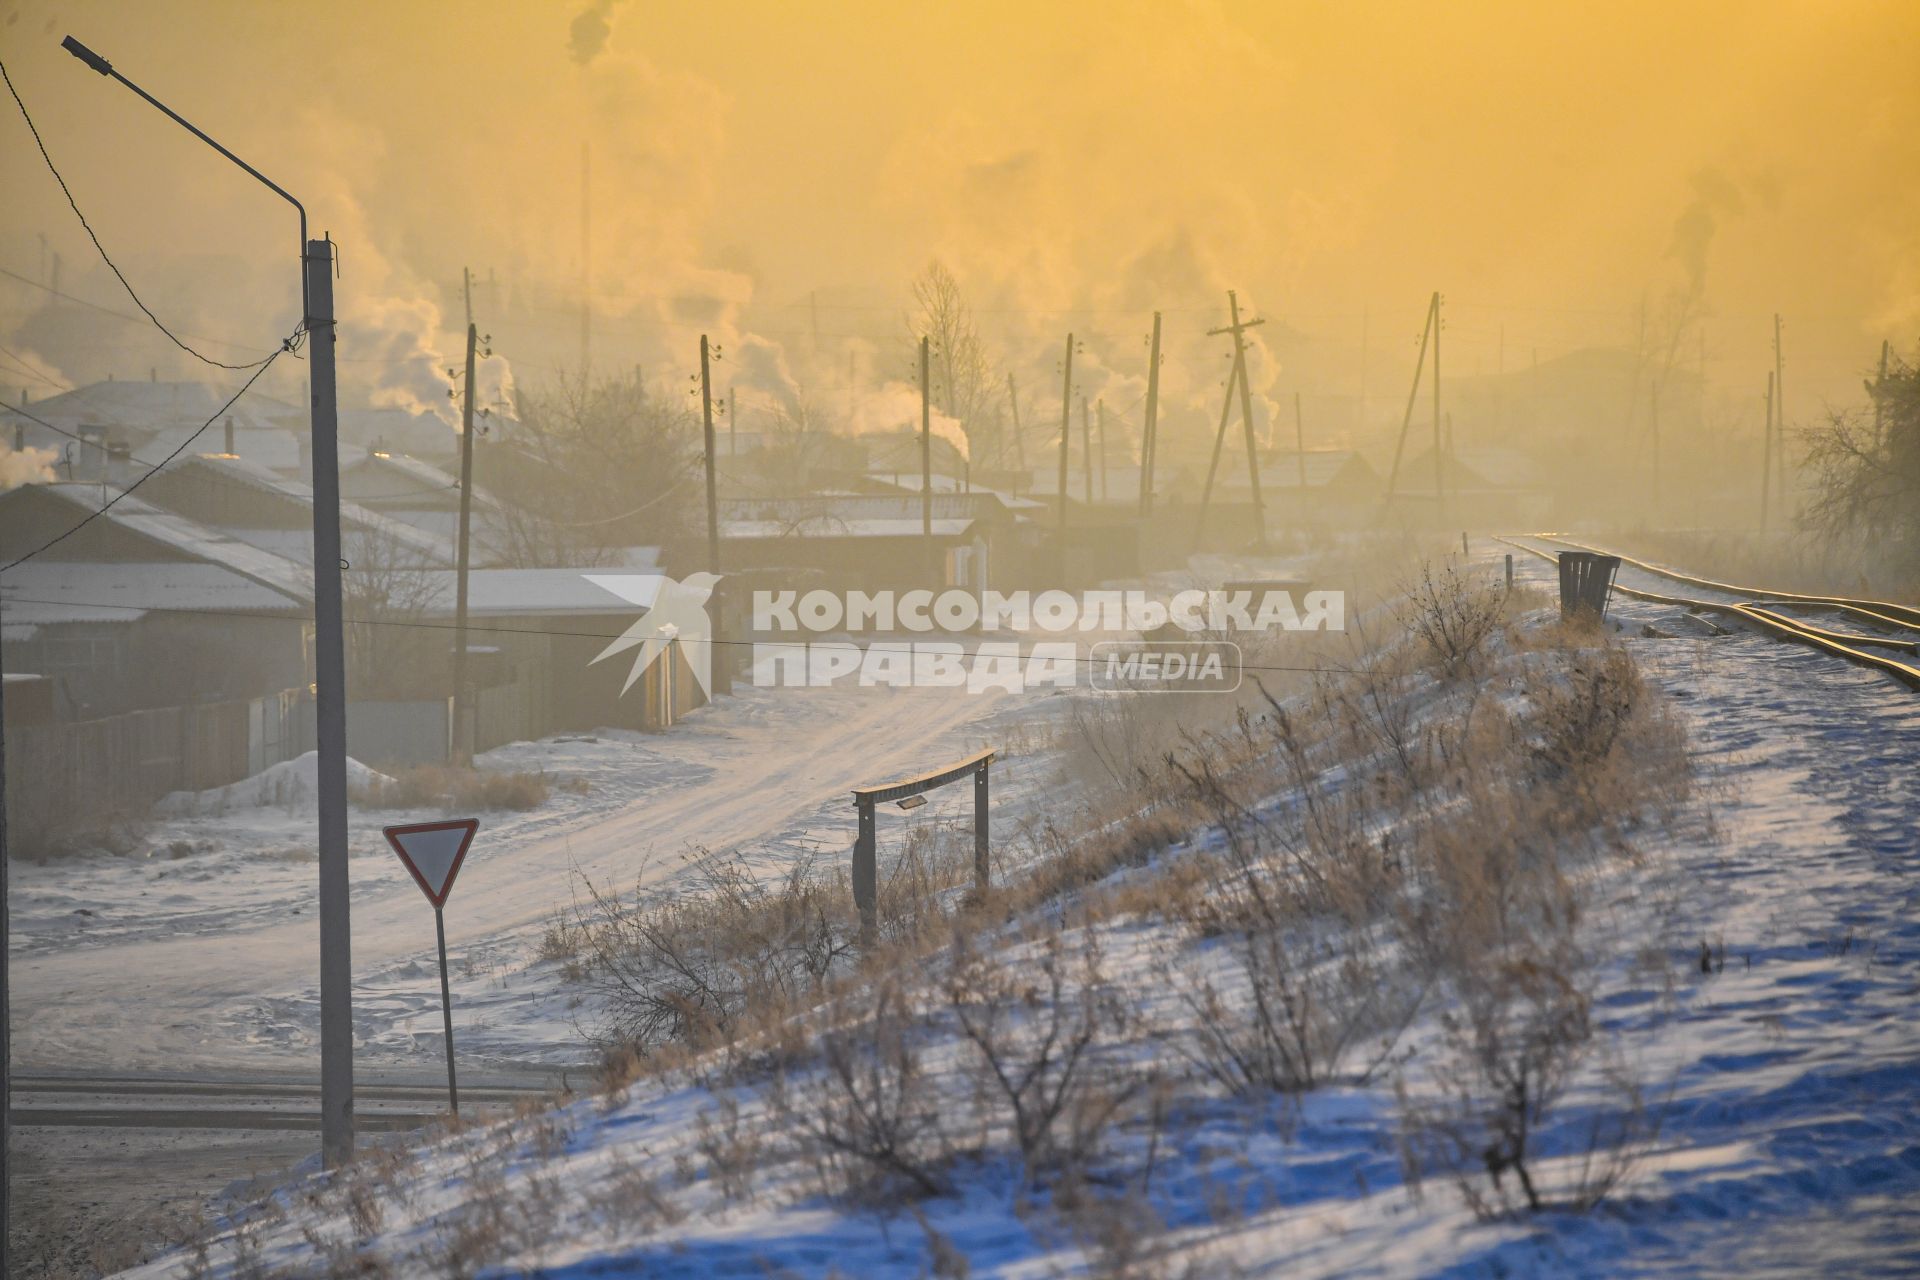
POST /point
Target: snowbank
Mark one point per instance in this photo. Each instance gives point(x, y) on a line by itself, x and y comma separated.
point(291, 784)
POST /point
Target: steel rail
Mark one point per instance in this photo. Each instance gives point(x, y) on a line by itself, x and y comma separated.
point(1882, 611)
point(1782, 627)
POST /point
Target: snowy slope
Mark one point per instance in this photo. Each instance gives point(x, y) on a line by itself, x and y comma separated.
point(1786, 1076)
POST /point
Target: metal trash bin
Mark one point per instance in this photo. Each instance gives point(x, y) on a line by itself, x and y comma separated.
point(1586, 582)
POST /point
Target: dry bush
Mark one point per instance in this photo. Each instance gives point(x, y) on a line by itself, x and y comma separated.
point(868, 1114)
point(686, 967)
point(427, 786)
point(1453, 616)
point(1035, 1026)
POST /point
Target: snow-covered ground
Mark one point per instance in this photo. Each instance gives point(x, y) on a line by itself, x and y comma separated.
point(1784, 1070)
point(197, 948)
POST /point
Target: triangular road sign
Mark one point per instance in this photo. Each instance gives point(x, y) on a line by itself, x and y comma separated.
point(433, 851)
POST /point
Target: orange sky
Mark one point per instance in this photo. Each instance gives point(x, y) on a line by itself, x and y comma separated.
point(1328, 160)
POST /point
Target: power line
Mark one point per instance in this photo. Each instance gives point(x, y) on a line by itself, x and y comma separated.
point(149, 473)
point(106, 258)
point(258, 615)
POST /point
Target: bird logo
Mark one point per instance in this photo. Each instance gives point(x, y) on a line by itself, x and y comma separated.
point(675, 611)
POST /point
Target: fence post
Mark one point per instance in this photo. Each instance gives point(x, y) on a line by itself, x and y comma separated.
point(980, 827)
point(865, 876)
point(1509, 571)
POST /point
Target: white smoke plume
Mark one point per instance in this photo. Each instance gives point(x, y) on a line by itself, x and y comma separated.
point(25, 466)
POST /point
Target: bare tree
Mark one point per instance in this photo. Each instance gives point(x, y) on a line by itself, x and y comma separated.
point(1866, 468)
point(594, 467)
point(964, 387)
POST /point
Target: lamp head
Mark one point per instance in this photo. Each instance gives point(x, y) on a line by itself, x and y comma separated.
point(87, 56)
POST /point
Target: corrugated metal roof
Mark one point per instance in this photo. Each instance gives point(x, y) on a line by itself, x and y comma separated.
point(44, 593)
point(188, 537)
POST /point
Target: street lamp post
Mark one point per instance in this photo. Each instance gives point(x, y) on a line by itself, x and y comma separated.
point(330, 676)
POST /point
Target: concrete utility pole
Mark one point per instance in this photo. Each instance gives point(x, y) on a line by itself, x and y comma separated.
point(462, 702)
point(1150, 423)
point(1238, 329)
point(6, 1006)
point(329, 675)
point(733, 420)
point(926, 457)
point(330, 716)
point(1066, 438)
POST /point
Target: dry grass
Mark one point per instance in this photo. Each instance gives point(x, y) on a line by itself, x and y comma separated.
point(1416, 834)
point(431, 786)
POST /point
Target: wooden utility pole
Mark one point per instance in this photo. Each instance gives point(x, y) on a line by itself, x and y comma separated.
point(1879, 396)
point(1019, 442)
point(1239, 332)
point(586, 260)
point(1086, 455)
point(1413, 396)
point(1779, 414)
point(462, 701)
point(720, 671)
point(1439, 470)
point(1365, 317)
point(1151, 423)
point(1100, 416)
point(926, 457)
point(1066, 438)
point(1238, 329)
point(1300, 444)
point(1766, 456)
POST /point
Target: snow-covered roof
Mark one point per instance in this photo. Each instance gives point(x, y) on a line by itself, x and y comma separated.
point(48, 592)
point(138, 406)
point(352, 514)
point(188, 537)
point(943, 483)
point(506, 592)
point(828, 525)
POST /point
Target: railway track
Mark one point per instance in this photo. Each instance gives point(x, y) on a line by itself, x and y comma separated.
point(183, 1102)
point(1762, 609)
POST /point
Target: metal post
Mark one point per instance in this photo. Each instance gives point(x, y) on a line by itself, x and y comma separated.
point(462, 703)
point(865, 873)
point(446, 1010)
point(330, 714)
point(980, 827)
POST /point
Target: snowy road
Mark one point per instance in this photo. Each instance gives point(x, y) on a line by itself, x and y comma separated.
point(767, 771)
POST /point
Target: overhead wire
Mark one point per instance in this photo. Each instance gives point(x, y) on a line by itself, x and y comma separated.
point(107, 258)
point(148, 474)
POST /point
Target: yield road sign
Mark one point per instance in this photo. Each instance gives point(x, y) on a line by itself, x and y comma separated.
point(433, 852)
